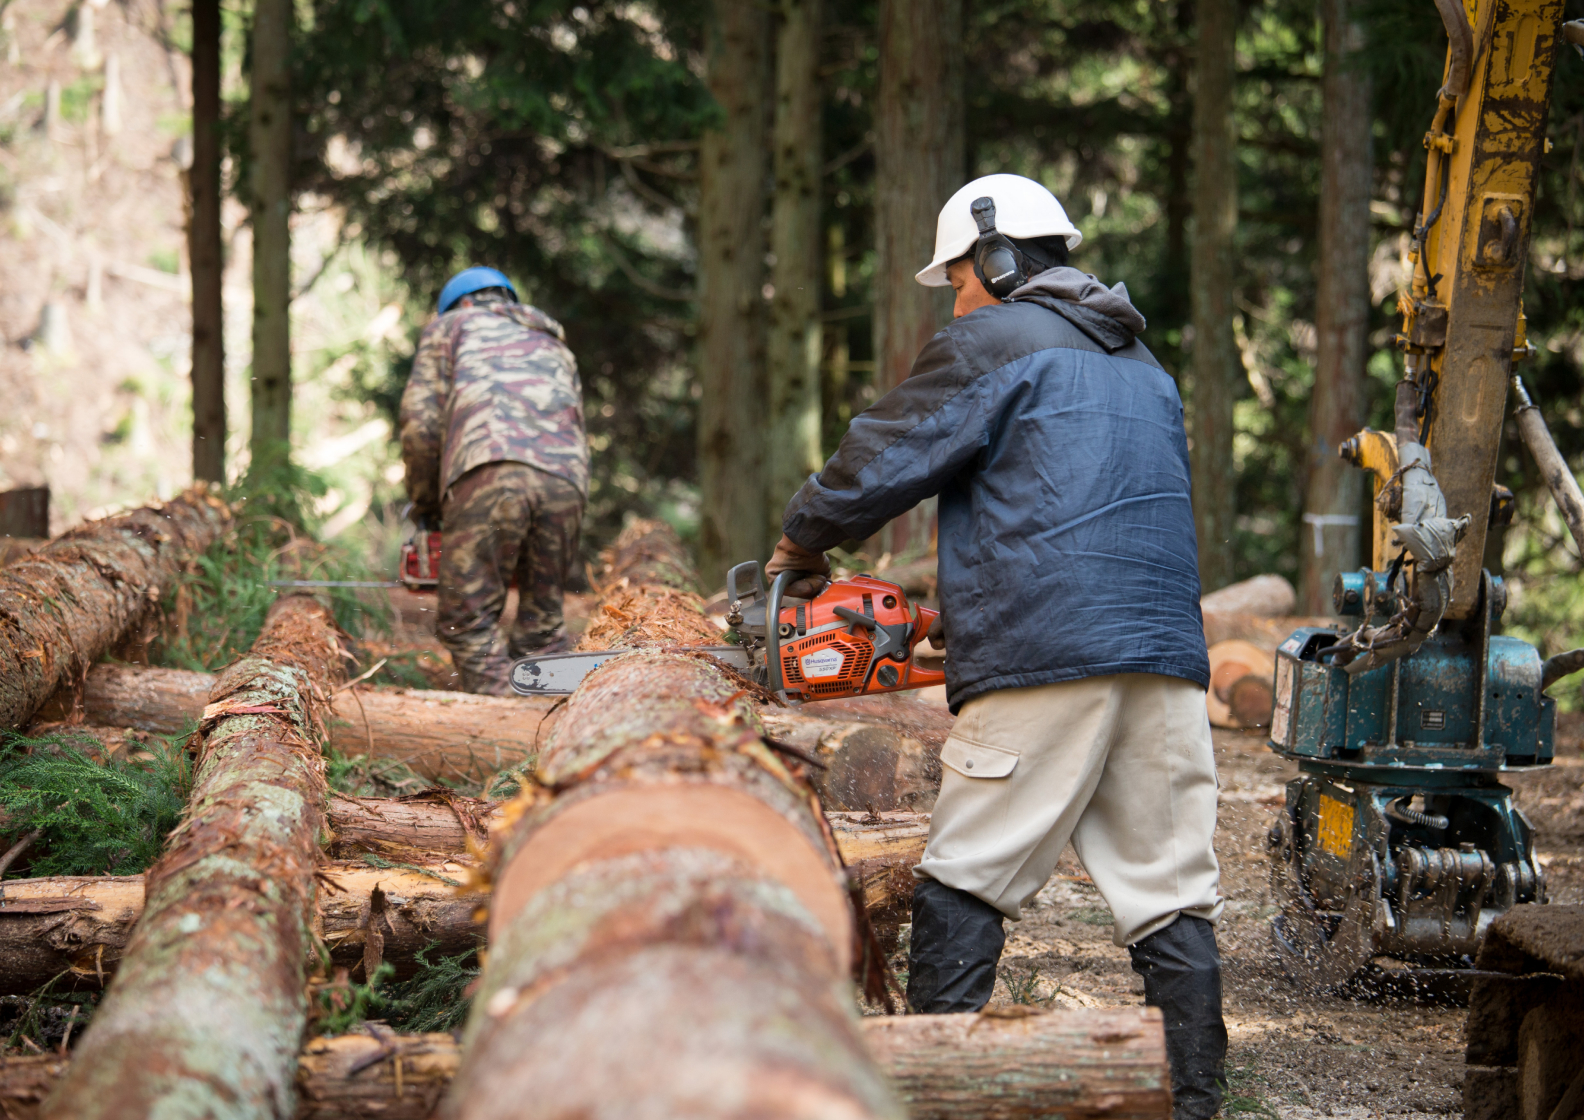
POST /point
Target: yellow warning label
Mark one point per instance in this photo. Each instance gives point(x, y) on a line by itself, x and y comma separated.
point(1336, 826)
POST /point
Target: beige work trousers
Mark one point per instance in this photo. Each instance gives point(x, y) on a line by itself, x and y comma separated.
point(1120, 765)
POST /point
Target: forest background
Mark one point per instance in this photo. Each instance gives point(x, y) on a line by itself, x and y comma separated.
point(724, 203)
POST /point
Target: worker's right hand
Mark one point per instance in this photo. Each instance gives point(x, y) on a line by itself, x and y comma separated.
point(937, 633)
point(793, 557)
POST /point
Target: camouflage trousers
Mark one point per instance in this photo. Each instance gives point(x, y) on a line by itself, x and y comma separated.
point(502, 520)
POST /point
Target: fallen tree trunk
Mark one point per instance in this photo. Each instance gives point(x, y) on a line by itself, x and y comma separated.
point(74, 929)
point(445, 736)
point(669, 929)
point(207, 1011)
point(876, 752)
point(66, 605)
point(965, 1067)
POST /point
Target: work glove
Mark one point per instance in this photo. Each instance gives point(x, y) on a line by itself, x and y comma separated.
point(793, 557)
point(937, 633)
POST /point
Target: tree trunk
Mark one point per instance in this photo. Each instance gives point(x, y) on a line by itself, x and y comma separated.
point(876, 754)
point(207, 1010)
point(967, 1067)
point(668, 920)
point(1217, 367)
point(269, 139)
point(732, 415)
point(1071, 1064)
point(918, 165)
point(1333, 491)
point(204, 249)
point(796, 343)
point(73, 930)
point(66, 605)
point(444, 736)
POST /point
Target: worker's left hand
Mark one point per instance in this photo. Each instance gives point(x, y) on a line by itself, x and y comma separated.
point(937, 633)
point(793, 557)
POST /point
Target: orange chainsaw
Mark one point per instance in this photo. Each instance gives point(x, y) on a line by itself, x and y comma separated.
point(855, 638)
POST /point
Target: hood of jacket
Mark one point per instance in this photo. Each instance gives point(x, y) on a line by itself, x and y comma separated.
point(1105, 314)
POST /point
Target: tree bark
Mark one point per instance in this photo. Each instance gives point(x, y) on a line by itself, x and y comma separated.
point(204, 249)
point(1216, 364)
point(882, 756)
point(668, 920)
point(444, 736)
point(919, 157)
point(269, 139)
point(796, 343)
point(74, 930)
point(732, 165)
point(64, 606)
point(206, 1013)
point(1333, 491)
point(967, 1067)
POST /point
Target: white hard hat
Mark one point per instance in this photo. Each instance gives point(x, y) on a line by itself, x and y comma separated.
point(1023, 209)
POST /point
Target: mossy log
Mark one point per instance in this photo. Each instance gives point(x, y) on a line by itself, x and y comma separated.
point(967, 1067)
point(66, 605)
point(206, 1013)
point(670, 930)
point(880, 752)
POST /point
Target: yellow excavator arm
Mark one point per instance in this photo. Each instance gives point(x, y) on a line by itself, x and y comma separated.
point(1463, 324)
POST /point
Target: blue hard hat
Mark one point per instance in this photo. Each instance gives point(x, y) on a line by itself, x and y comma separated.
point(471, 280)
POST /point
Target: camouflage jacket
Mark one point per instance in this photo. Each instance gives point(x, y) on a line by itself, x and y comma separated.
point(490, 384)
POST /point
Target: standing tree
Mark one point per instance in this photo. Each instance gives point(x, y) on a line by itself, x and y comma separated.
point(796, 343)
point(731, 250)
point(1216, 364)
point(269, 150)
point(919, 161)
point(204, 248)
point(1330, 539)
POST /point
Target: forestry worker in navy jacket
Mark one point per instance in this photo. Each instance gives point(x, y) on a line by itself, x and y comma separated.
point(1070, 596)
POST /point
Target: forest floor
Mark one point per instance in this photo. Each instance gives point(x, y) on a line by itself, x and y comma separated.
point(1291, 1056)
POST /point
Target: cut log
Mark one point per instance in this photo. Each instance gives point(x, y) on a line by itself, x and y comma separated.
point(669, 928)
point(76, 927)
point(66, 605)
point(1251, 699)
point(206, 1013)
point(966, 1067)
point(74, 930)
point(1072, 1064)
point(1264, 596)
point(877, 752)
point(445, 736)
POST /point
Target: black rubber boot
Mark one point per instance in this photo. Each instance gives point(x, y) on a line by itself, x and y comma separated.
point(957, 941)
point(1181, 967)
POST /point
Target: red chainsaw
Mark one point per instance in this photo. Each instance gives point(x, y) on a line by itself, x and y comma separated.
point(855, 638)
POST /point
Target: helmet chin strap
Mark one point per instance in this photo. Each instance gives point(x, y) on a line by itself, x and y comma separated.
point(998, 264)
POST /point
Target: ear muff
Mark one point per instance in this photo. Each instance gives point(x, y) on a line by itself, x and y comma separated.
point(997, 262)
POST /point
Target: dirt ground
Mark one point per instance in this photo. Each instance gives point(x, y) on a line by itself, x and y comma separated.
point(1291, 1056)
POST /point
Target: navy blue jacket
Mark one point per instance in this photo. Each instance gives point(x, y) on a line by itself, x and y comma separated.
point(1056, 444)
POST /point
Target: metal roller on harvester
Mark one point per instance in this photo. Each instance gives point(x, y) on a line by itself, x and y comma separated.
point(1399, 844)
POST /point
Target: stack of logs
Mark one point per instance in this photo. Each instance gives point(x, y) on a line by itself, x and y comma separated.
point(674, 901)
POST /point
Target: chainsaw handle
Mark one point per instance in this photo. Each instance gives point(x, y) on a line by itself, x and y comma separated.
point(778, 587)
point(919, 677)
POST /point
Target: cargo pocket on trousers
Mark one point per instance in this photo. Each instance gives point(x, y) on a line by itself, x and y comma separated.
point(974, 760)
